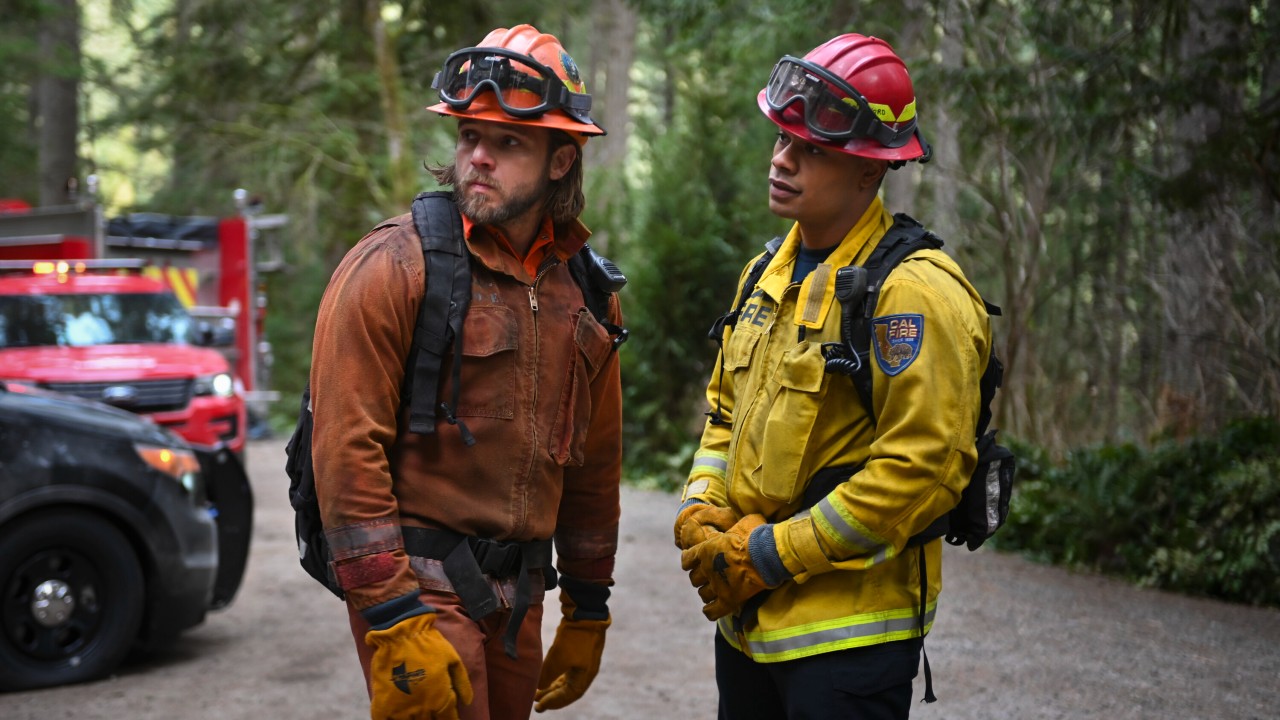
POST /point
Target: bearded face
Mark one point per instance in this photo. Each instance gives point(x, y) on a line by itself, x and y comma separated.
point(488, 200)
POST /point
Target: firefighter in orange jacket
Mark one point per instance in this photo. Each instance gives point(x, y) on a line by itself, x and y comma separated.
point(443, 548)
point(819, 608)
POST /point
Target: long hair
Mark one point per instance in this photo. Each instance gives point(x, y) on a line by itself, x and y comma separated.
point(564, 200)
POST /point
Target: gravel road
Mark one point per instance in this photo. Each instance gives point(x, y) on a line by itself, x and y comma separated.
point(1012, 640)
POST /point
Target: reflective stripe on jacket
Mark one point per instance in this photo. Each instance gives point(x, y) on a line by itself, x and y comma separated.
point(853, 583)
point(540, 391)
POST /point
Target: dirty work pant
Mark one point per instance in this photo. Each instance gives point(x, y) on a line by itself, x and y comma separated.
point(869, 683)
point(503, 687)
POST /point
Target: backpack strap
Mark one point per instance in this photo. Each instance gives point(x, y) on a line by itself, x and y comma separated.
point(858, 304)
point(444, 305)
point(730, 318)
point(992, 379)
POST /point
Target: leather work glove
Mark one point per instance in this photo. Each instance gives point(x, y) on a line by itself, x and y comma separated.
point(415, 674)
point(734, 565)
point(698, 521)
point(574, 658)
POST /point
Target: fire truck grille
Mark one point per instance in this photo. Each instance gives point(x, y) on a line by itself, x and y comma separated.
point(137, 396)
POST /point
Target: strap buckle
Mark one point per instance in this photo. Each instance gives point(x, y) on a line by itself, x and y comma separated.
point(498, 559)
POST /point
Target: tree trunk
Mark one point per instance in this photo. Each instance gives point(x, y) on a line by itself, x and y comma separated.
point(613, 51)
point(911, 41)
point(57, 101)
point(915, 43)
point(942, 132)
point(1196, 265)
point(400, 161)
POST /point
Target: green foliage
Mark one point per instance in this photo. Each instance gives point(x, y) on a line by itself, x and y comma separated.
point(295, 297)
point(700, 214)
point(1200, 517)
point(20, 57)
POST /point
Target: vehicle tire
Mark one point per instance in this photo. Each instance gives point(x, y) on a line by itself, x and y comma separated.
point(71, 599)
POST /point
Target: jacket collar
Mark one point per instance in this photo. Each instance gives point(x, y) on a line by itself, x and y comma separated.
point(567, 240)
point(818, 290)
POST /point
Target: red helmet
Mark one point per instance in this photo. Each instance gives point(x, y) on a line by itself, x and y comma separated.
point(852, 93)
point(530, 80)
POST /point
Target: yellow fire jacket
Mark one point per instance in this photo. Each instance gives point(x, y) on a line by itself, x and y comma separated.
point(852, 584)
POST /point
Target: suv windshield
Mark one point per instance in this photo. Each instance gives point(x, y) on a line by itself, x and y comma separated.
point(92, 319)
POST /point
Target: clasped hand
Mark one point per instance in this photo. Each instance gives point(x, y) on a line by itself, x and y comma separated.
point(720, 567)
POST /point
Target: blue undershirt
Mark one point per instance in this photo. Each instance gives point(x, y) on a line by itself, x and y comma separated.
point(807, 260)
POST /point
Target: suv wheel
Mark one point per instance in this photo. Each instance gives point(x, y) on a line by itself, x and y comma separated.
point(71, 599)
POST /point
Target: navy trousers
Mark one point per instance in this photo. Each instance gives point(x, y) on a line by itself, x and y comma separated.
point(867, 683)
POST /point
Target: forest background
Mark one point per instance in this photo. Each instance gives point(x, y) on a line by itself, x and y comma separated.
point(1107, 172)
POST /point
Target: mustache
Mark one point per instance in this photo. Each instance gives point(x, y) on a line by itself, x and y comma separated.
point(479, 177)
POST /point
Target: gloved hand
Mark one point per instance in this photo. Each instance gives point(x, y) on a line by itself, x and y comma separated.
point(574, 658)
point(415, 673)
point(697, 522)
point(723, 570)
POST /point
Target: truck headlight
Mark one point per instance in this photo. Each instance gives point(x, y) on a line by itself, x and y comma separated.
point(220, 385)
point(179, 464)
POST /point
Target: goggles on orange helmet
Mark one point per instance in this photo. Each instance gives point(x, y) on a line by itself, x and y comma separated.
point(833, 110)
point(520, 94)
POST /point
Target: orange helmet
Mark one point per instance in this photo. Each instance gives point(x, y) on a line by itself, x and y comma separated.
point(851, 92)
point(530, 78)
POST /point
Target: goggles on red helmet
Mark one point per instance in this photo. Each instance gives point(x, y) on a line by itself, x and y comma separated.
point(833, 110)
point(524, 92)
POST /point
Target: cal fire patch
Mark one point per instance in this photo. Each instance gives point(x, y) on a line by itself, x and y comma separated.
point(897, 341)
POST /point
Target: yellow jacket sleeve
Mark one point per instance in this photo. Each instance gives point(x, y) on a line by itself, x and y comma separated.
point(930, 339)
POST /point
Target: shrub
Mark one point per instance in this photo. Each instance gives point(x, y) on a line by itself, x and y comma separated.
point(1200, 517)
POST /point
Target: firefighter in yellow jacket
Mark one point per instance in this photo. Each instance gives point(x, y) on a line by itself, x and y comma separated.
point(818, 599)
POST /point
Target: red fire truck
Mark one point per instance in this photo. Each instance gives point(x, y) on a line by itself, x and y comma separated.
point(157, 314)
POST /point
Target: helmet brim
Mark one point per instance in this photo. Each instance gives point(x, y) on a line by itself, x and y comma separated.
point(862, 147)
point(481, 109)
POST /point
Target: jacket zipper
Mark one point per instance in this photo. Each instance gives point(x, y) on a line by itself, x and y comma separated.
point(521, 520)
point(533, 289)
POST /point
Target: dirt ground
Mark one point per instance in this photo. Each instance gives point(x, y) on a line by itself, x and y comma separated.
point(1012, 640)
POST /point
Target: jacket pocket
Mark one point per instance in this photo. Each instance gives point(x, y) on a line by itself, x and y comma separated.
point(794, 411)
point(739, 349)
point(490, 339)
point(592, 346)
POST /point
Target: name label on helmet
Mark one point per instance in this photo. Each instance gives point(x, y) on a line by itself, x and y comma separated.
point(885, 113)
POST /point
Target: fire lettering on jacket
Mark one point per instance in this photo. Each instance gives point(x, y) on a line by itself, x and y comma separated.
point(755, 312)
